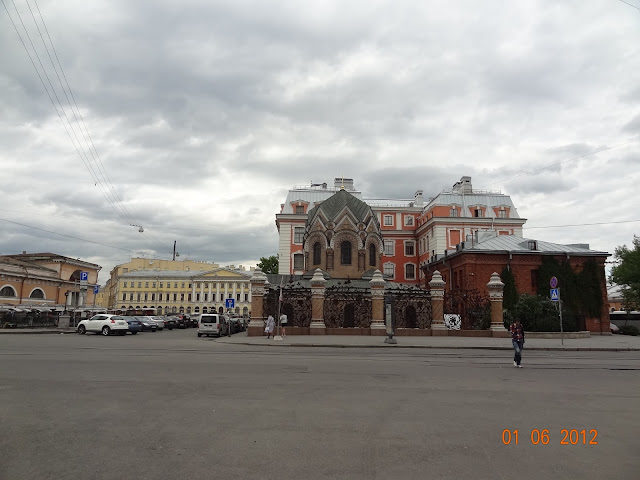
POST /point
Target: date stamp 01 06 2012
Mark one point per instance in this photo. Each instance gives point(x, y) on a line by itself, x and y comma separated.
point(567, 437)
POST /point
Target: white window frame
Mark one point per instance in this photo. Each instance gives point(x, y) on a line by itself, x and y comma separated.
point(391, 266)
point(406, 265)
point(453, 213)
point(388, 220)
point(294, 261)
point(502, 213)
point(412, 244)
point(298, 237)
point(409, 221)
point(392, 245)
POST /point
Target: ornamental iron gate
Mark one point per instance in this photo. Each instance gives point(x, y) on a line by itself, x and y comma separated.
point(411, 306)
point(473, 307)
point(296, 304)
point(346, 306)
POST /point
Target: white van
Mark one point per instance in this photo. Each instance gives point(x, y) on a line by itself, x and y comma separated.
point(212, 324)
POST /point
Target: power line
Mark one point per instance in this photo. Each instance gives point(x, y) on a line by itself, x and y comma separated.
point(112, 198)
point(68, 236)
point(631, 5)
point(582, 224)
point(85, 157)
point(99, 163)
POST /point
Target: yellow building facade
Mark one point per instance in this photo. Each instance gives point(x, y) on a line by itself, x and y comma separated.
point(166, 292)
point(185, 286)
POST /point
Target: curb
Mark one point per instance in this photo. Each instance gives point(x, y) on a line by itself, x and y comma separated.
point(443, 347)
point(34, 332)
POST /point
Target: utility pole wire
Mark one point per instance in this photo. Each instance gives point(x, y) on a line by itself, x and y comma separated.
point(99, 163)
point(631, 5)
point(85, 157)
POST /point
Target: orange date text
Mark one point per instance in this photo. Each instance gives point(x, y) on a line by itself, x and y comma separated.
point(544, 437)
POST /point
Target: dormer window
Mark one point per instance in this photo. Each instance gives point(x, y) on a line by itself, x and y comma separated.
point(299, 209)
point(532, 245)
point(502, 213)
point(477, 212)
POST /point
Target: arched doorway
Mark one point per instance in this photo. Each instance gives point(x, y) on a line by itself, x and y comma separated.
point(221, 310)
point(410, 317)
point(349, 316)
point(289, 311)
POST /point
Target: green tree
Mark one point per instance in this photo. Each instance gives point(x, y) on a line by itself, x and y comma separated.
point(510, 294)
point(537, 314)
point(590, 281)
point(269, 264)
point(627, 273)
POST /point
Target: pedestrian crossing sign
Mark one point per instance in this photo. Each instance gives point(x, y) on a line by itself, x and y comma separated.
point(554, 295)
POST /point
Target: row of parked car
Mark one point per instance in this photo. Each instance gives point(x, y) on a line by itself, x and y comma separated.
point(219, 325)
point(107, 324)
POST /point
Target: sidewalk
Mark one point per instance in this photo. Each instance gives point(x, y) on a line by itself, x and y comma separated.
point(22, 331)
point(613, 343)
point(605, 343)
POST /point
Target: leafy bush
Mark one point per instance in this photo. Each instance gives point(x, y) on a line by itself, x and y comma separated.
point(537, 314)
point(629, 330)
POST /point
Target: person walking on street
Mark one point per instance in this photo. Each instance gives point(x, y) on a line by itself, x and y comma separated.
point(517, 338)
point(283, 323)
point(270, 324)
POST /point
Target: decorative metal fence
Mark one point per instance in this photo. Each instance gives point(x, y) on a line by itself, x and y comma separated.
point(411, 306)
point(347, 306)
point(473, 307)
point(29, 320)
point(296, 304)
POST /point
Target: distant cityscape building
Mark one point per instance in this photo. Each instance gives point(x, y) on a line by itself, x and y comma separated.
point(177, 286)
point(414, 232)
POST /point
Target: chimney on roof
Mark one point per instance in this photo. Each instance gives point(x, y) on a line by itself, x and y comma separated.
point(24, 252)
point(418, 199)
point(346, 183)
point(463, 186)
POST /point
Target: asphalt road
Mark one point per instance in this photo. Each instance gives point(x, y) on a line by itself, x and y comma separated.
point(168, 405)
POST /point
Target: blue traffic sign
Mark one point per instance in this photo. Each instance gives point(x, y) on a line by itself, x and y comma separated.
point(229, 303)
point(554, 295)
point(96, 289)
point(84, 275)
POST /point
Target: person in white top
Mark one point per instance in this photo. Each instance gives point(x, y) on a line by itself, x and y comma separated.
point(269, 327)
point(283, 322)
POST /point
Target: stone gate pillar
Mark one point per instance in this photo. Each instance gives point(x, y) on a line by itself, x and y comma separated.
point(317, 304)
point(436, 289)
point(256, 326)
point(496, 288)
point(377, 304)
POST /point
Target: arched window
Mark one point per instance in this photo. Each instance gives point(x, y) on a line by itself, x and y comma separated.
point(8, 291)
point(37, 293)
point(316, 253)
point(372, 255)
point(345, 253)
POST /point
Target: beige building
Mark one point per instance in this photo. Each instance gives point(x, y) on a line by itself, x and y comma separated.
point(47, 280)
point(185, 286)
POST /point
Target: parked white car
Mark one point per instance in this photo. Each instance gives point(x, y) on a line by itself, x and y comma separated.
point(104, 324)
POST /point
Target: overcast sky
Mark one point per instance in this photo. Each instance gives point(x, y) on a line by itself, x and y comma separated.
point(204, 113)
